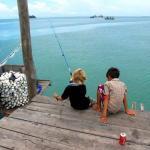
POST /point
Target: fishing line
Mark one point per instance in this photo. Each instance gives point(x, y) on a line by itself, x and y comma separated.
point(10, 55)
point(61, 49)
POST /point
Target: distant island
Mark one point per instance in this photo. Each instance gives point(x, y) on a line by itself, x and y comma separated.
point(32, 16)
point(104, 17)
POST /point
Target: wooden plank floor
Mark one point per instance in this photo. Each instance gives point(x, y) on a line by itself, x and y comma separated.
point(46, 124)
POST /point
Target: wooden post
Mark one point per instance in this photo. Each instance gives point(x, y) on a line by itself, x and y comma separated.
point(26, 47)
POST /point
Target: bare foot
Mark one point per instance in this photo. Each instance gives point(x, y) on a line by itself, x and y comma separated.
point(98, 109)
point(103, 119)
point(131, 112)
point(94, 106)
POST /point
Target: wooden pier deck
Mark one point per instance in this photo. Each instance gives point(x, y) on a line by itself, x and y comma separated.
point(45, 124)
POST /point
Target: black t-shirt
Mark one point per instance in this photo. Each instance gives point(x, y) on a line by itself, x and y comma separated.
point(76, 94)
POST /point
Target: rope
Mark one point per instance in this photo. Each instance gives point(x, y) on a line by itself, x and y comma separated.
point(11, 55)
point(61, 49)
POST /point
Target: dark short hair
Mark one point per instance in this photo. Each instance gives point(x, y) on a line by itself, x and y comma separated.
point(113, 72)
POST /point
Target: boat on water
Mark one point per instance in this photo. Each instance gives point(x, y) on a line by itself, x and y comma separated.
point(104, 17)
point(94, 16)
point(32, 16)
point(109, 18)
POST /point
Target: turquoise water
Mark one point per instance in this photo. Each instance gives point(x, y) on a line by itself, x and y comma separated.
point(92, 44)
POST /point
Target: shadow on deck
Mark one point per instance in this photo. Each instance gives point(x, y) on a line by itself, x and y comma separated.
point(45, 124)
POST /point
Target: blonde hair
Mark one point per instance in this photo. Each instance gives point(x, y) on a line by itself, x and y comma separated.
point(79, 76)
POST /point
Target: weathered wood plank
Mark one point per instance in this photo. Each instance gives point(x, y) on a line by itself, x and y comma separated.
point(54, 106)
point(76, 140)
point(120, 119)
point(56, 122)
point(60, 109)
point(16, 68)
point(50, 100)
point(90, 127)
point(18, 141)
point(4, 148)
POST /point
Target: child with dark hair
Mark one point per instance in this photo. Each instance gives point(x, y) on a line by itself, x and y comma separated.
point(111, 95)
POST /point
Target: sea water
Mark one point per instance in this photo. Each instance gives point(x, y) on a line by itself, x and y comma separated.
point(92, 44)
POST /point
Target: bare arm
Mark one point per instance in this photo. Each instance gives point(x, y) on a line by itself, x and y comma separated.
point(103, 117)
point(104, 113)
point(98, 102)
point(128, 111)
point(57, 97)
point(125, 104)
point(63, 96)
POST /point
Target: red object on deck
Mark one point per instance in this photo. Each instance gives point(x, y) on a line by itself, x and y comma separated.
point(122, 139)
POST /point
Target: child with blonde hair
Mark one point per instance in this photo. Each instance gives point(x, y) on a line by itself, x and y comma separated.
point(76, 91)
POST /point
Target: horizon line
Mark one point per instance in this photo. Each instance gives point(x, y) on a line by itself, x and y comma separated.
point(81, 16)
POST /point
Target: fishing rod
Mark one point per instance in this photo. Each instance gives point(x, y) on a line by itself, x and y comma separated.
point(61, 49)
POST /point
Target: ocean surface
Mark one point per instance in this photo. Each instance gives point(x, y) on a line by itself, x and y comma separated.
point(92, 44)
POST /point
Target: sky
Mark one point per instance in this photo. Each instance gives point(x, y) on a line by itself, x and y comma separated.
point(62, 8)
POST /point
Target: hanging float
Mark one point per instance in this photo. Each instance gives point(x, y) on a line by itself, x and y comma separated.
point(13, 88)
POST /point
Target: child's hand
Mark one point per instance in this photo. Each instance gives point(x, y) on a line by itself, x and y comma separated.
point(131, 112)
point(56, 96)
point(103, 119)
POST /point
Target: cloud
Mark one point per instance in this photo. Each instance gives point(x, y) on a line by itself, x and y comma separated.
point(132, 8)
point(7, 11)
point(47, 8)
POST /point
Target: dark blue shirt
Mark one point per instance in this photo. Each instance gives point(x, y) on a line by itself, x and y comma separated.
point(76, 94)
